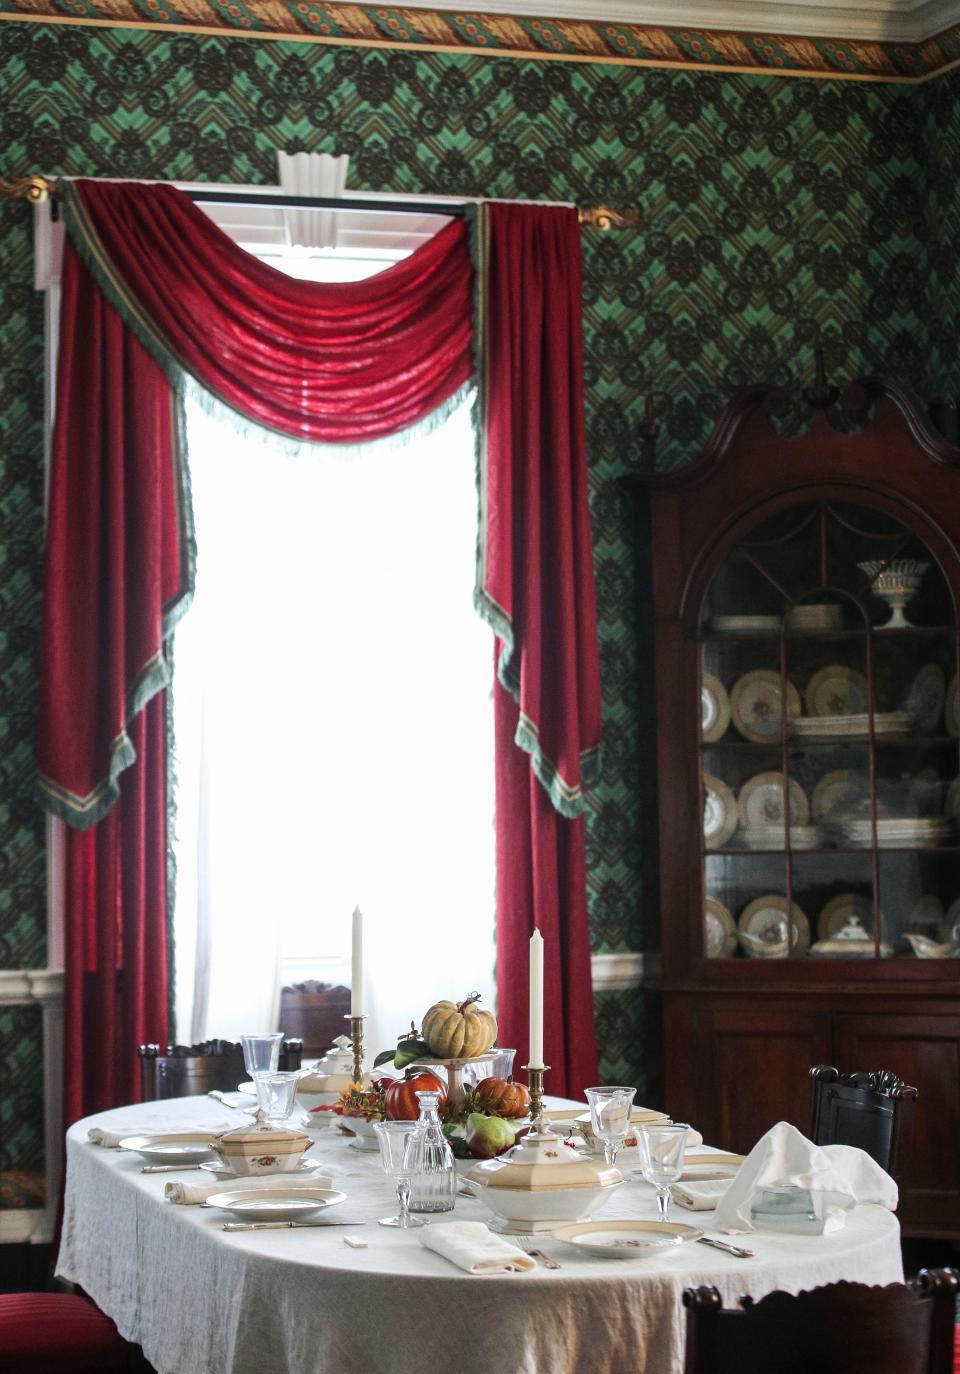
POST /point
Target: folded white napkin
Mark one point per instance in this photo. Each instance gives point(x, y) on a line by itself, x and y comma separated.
point(472, 1247)
point(700, 1197)
point(192, 1193)
point(110, 1139)
point(837, 1176)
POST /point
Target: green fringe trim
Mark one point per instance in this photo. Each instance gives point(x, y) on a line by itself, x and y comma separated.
point(565, 797)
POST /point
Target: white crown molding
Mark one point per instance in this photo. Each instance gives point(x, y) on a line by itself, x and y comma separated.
point(616, 972)
point(905, 21)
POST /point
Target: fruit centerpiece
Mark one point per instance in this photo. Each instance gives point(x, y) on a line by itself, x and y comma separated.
point(453, 1035)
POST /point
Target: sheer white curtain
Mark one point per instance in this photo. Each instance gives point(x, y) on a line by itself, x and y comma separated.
point(334, 735)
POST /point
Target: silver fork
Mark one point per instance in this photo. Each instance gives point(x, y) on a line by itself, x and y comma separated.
point(526, 1244)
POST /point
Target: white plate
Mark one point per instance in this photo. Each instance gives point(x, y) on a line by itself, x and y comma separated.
point(762, 802)
point(925, 699)
point(852, 726)
point(720, 930)
point(714, 708)
point(220, 1170)
point(836, 691)
point(708, 1173)
point(159, 1151)
point(627, 1239)
point(838, 792)
point(755, 705)
point(273, 1205)
point(719, 812)
point(745, 624)
point(764, 922)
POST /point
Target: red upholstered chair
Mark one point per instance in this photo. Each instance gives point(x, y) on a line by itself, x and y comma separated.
point(61, 1333)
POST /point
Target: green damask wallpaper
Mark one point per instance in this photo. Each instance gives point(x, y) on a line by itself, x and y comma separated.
point(773, 214)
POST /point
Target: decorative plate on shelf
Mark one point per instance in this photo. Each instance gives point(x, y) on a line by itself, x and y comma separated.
point(925, 699)
point(837, 793)
point(763, 802)
point(836, 691)
point(714, 708)
point(719, 812)
point(745, 624)
point(755, 705)
point(951, 711)
point(763, 927)
point(720, 930)
point(898, 832)
point(838, 911)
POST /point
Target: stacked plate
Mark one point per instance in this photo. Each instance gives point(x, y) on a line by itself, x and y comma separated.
point(811, 619)
point(897, 832)
point(855, 725)
point(745, 624)
point(774, 836)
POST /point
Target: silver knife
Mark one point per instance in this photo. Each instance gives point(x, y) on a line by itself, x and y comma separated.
point(723, 1245)
point(284, 1225)
point(167, 1168)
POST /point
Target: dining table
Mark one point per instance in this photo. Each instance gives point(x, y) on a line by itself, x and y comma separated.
point(201, 1300)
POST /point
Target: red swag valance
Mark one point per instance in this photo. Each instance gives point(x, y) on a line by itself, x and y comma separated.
point(153, 294)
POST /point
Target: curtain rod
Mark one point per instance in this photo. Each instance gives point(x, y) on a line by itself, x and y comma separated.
point(37, 189)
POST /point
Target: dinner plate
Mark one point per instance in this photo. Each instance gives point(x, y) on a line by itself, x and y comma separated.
point(755, 705)
point(220, 1170)
point(719, 812)
point(764, 924)
point(925, 699)
point(745, 624)
point(810, 617)
point(714, 708)
point(626, 1239)
point(255, 1204)
point(838, 792)
point(854, 726)
point(762, 802)
point(156, 1150)
point(706, 1168)
point(836, 691)
point(720, 930)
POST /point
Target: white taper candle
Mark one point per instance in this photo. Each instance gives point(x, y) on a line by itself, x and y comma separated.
point(356, 970)
point(535, 1057)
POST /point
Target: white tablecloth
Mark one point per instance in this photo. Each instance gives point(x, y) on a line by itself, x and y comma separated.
point(203, 1301)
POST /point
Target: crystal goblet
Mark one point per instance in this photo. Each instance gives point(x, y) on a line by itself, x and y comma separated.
point(394, 1138)
point(277, 1092)
point(261, 1053)
point(661, 1150)
point(610, 1117)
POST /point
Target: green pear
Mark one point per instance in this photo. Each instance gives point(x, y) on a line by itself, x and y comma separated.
point(488, 1135)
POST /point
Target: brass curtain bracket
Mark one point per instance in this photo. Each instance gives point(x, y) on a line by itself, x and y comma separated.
point(35, 189)
point(604, 217)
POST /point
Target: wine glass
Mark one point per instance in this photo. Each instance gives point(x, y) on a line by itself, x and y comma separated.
point(394, 1139)
point(261, 1053)
point(610, 1117)
point(661, 1159)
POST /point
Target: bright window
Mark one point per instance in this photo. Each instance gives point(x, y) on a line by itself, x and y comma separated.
point(334, 732)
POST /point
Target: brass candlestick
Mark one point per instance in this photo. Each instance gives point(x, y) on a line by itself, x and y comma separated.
point(535, 1085)
point(356, 1035)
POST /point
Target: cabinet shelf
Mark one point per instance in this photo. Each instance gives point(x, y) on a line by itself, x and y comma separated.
point(877, 633)
point(798, 747)
point(837, 849)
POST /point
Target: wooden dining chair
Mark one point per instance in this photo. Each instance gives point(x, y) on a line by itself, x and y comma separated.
point(62, 1333)
point(873, 1111)
point(842, 1328)
point(190, 1070)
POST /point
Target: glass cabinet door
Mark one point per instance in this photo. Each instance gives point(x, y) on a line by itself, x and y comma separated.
point(829, 749)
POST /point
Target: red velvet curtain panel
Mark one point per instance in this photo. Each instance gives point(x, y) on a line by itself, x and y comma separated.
point(154, 293)
point(535, 586)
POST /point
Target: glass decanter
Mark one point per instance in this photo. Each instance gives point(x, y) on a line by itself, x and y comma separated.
point(432, 1172)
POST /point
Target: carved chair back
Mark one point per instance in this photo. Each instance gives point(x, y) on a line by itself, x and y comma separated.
point(842, 1328)
point(189, 1070)
point(873, 1111)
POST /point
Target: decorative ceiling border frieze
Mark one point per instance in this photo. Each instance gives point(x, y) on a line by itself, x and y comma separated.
point(504, 35)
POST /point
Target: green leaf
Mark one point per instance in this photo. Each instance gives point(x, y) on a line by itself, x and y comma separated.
point(384, 1057)
point(408, 1051)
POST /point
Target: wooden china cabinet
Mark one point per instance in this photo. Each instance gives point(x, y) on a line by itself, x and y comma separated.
point(804, 605)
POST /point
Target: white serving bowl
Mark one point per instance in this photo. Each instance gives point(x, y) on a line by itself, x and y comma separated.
point(541, 1183)
point(366, 1136)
